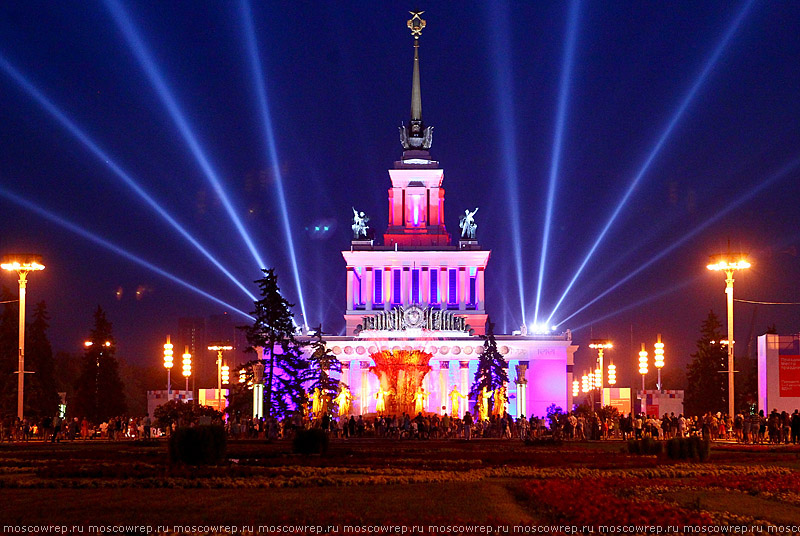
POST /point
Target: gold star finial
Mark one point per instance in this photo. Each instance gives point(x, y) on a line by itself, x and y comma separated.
point(416, 24)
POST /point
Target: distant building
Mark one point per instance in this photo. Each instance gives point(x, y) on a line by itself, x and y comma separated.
point(779, 372)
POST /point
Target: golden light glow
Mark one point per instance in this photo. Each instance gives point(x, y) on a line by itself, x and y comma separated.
point(242, 375)
point(168, 354)
point(87, 344)
point(598, 378)
point(575, 388)
point(601, 344)
point(728, 262)
point(187, 362)
point(643, 361)
point(218, 348)
point(22, 263)
point(585, 383)
point(612, 374)
point(226, 374)
point(658, 353)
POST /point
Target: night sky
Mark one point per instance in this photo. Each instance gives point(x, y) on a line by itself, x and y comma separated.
point(687, 111)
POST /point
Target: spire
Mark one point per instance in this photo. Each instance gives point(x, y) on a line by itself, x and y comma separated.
point(416, 136)
point(416, 93)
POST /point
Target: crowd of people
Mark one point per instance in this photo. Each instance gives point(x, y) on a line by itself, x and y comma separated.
point(753, 428)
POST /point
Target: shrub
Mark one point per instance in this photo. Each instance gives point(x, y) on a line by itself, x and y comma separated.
point(688, 448)
point(313, 441)
point(198, 445)
point(647, 446)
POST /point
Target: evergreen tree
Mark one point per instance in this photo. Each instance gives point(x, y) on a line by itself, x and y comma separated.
point(99, 392)
point(41, 393)
point(9, 347)
point(492, 367)
point(273, 329)
point(321, 363)
point(707, 387)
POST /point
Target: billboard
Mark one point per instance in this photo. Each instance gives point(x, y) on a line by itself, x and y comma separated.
point(789, 375)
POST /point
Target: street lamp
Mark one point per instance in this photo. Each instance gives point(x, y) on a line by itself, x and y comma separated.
point(658, 358)
point(187, 366)
point(219, 348)
point(729, 263)
point(600, 345)
point(168, 365)
point(22, 264)
point(612, 374)
point(643, 372)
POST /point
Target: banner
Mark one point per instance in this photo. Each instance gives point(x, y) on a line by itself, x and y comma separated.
point(789, 375)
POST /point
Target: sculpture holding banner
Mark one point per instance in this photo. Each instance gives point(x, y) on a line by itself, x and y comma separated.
point(359, 224)
point(467, 224)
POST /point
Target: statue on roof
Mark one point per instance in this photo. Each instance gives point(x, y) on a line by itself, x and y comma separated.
point(359, 224)
point(467, 224)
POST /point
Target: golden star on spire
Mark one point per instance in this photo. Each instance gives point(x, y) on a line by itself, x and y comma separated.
point(416, 24)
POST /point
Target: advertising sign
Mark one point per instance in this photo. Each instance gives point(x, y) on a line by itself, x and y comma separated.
point(789, 375)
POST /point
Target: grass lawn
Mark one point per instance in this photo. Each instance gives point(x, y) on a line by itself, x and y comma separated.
point(384, 481)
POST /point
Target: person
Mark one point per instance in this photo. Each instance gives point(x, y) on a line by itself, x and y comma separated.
point(468, 426)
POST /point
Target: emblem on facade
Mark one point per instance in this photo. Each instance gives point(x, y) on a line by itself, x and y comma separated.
point(415, 317)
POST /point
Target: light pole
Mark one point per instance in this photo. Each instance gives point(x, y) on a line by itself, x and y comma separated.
point(729, 263)
point(219, 348)
point(643, 372)
point(658, 358)
point(187, 367)
point(22, 264)
point(600, 345)
point(168, 366)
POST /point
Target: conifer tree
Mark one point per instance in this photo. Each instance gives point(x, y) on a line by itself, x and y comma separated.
point(492, 367)
point(322, 363)
point(99, 393)
point(273, 329)
point(41, 393)
point(9, 346)
point(706, 386)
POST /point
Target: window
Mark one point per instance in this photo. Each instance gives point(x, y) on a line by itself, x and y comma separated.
point(473, 297)
point(378, 290)
point(358, 301)
point(434, 297)
point(452, 295)
point(397, 290)
point(415, 286)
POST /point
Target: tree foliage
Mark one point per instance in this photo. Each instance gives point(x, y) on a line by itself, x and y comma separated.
point(41, 393)
point(492, 367)
point(322, 363)
point(707, 387)
point(184, 413)
point(99, 391)
point(273, 329)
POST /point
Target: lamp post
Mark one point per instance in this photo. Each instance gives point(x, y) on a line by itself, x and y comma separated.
point(187, 366)
point(729, 263)
point(612, 374)
point(22, 264)
point(219, 348)
point(658, 359)
point(643, 372)
point(600, 345)
point(168, 365)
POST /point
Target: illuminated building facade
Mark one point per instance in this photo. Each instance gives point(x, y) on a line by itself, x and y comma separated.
point(420, 296)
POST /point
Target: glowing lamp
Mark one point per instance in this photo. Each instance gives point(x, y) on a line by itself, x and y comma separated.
point(187, 363)
point(598, 378)
point(658, 353)
point(575, 388)
point(168, 354)
point(643, 361)
point(226, 374)
point(612, 374)
point(585, 383)
point(22, 263)
point(242, 375)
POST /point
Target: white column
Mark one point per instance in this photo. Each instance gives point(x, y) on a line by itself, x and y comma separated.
point(369, 284)
point(444, 369)
point(462, 407)
point(522, 389)
point(463, 281)
point(365, 394)
point(425, 286)
point(350, 288)
point(479, 289)
point(387, 288)
point(444, 287)
point(405, 285)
